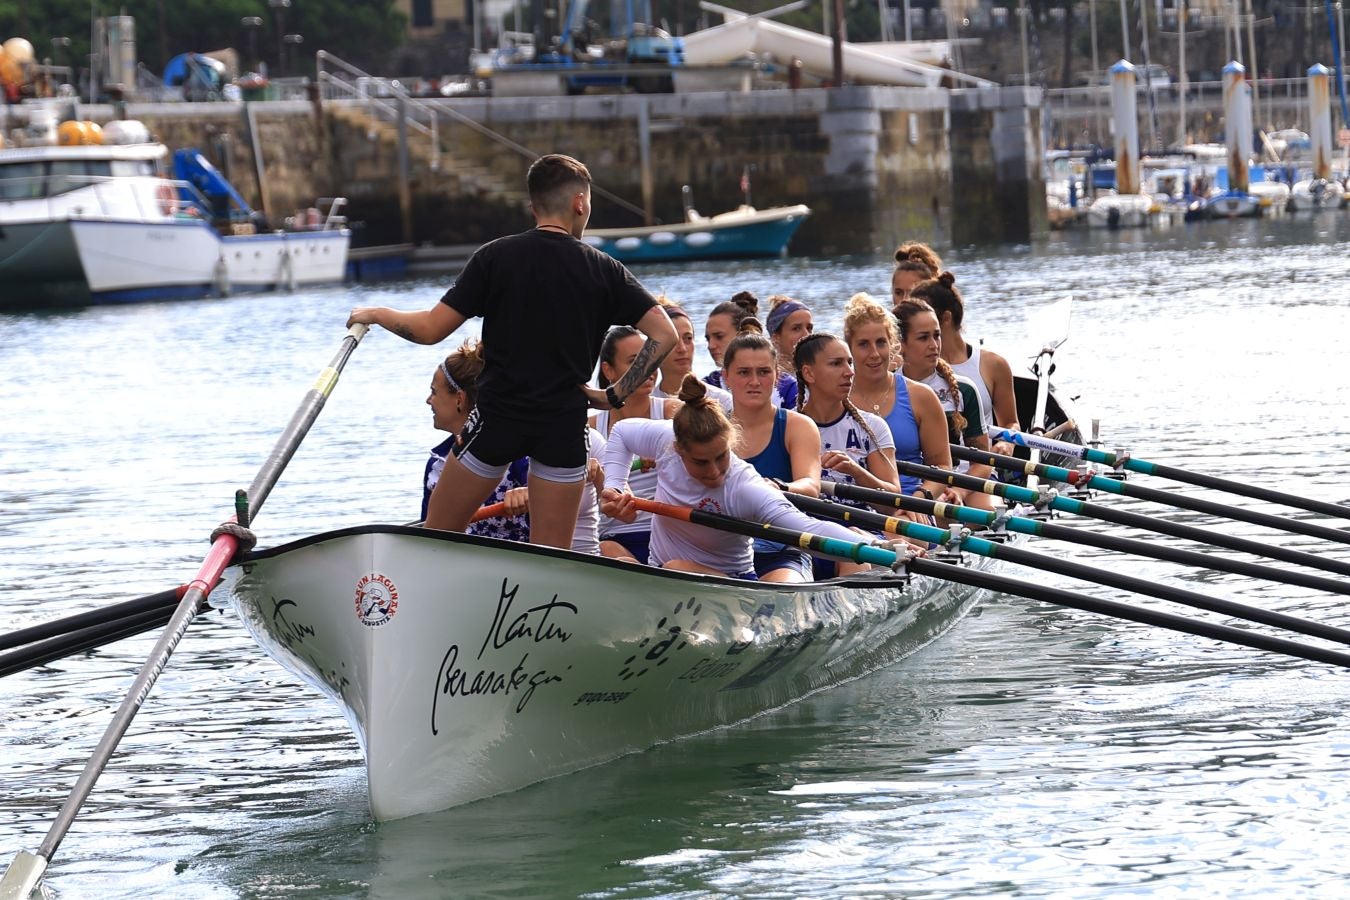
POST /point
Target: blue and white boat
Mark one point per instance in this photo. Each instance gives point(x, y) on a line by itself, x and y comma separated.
point(100, 223)
point(743, 233)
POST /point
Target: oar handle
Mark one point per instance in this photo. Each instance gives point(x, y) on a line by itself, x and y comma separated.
point(491, 511)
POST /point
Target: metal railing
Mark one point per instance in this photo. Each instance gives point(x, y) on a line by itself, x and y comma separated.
point(360, 89)
point(364, 82)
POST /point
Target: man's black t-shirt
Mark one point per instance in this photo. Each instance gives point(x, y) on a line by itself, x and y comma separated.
point(546, 300)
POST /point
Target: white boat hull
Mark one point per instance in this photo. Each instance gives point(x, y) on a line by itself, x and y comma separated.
point(119, 260)
point(469, 667)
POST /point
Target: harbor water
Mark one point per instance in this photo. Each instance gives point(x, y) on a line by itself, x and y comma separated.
point(1033, 751)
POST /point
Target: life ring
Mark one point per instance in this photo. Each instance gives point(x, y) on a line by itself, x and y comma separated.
point(168, 203)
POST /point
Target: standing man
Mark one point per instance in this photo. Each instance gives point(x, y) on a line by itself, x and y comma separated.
point(546, 299)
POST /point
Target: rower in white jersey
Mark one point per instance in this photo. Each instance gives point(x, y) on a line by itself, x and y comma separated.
point(622, 344)
point(696, 469)
point(987, 370)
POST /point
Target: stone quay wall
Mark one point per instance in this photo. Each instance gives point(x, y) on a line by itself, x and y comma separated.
point(877, 165)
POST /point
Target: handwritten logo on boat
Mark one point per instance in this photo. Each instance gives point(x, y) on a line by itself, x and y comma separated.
point(376, 600)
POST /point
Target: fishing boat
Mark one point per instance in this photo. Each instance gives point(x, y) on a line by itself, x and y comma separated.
point(101, 223)
point(469, 666)
point(742, 233)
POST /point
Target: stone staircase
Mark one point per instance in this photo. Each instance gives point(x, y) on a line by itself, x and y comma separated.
point(455, 174)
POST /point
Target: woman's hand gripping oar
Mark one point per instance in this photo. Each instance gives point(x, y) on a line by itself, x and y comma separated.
point(995, 550)
point(945, 571)
point(1056, 532)
point(1169, 498)
point(25, 872)
point(1129, 463)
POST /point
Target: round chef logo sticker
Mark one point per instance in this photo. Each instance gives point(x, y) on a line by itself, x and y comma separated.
point(376, 600)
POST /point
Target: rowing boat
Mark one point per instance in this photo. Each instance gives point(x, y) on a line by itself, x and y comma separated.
point(469, 667)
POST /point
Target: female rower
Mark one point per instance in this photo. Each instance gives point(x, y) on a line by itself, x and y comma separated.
point(680, 361)
point(622, 343)
point(857, 445)
point(782, 445)
point(911, 410)
point(697, 470)
point(921, 347)
point(789, 321)
point(454, 394)
point(724, 323)
point(989, 372)
point(914, 262)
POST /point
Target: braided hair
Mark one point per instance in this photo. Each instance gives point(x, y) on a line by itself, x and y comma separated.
point(808, 348)
point(904, 311)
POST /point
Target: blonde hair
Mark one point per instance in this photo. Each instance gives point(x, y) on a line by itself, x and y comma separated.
point(700, 418)
point(862, 310)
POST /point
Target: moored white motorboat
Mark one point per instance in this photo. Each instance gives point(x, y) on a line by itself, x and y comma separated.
point(1271, 196)
point(469, 667)
point(100, 224)
point(1112, 210)
point(1316, 193)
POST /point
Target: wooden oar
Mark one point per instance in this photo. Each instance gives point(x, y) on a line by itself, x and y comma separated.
point(947, 572)
point(1054, 531)
point(1130, 489)
point(1129, 463)
point(25, 872)
point(1119, 517)
point(1021, 556)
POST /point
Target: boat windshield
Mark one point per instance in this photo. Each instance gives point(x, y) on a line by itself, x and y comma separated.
point(47, 178)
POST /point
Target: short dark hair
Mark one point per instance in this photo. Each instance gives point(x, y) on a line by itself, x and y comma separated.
point(552, 180)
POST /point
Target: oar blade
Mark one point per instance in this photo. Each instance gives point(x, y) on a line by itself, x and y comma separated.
point(1050, 324)
point(23, 876)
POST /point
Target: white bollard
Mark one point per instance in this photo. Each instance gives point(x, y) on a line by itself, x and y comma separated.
point(1237, 117)
point(1125, 119)
point(1319, 103)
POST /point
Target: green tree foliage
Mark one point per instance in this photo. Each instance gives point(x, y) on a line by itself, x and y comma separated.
point(362, 31)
